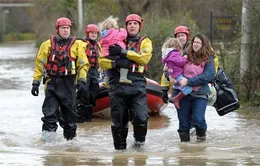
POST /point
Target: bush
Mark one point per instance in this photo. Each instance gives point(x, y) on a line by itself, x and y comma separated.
point(14, 36)
point(255, 98)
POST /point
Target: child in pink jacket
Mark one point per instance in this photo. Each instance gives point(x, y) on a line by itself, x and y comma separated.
point(110, 35)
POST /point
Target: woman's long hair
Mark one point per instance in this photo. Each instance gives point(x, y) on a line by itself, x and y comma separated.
point(203, 54)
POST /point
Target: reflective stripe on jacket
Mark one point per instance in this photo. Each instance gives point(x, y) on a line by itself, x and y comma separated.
point(142, 57)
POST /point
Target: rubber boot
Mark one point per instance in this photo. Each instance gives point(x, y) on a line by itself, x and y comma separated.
point(88, 114)
point(139, 135)
point(176, 99)
point(123, 76)
point(80, 113)
point(201, 135)
point(84, 113)
point(184, 136)
point(69, 133)
point(119, 137)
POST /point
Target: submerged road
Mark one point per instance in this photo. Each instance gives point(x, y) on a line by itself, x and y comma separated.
point(231, 139)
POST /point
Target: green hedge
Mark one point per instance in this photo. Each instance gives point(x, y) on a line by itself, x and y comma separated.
point(18, 37)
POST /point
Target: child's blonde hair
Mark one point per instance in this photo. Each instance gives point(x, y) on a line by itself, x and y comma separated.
point(110, 22)
point(172, 43)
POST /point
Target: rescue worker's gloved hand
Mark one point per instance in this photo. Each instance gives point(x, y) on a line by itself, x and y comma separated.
point(81, 86)
point(121, 63)
point(116, 50)
point(166, 73)
point(165, 96)
point(35, 89)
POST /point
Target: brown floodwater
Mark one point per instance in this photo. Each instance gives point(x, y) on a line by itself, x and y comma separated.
point(231, 140)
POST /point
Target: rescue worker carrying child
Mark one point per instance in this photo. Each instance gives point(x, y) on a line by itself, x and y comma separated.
point(128, 101)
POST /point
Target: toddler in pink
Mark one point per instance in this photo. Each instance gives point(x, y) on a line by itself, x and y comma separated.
point(111, 34)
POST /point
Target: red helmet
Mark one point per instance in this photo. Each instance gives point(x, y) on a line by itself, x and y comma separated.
point(91, 28)
point(134, 17)
point(182, 29)
point(63, 21)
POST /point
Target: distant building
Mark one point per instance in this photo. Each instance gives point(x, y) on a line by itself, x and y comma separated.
point(15, 17)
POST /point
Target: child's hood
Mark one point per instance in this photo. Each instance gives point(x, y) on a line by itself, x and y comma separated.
point(165, 52)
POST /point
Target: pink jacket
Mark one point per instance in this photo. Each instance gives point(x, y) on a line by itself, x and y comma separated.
point(112, 36)
point(174, 61)
point(191, 70)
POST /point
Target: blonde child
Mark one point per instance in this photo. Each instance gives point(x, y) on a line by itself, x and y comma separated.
point(174, 62)
point(111, 34)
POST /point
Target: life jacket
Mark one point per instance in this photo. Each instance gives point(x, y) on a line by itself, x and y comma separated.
point(60, 62)
point(135, 45)
point(216, 62)
point(184, 49)
point(92, 53)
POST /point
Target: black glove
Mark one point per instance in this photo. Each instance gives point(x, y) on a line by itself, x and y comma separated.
point(116, 50)
point(166, 74)
point(35, 89)
point(81, 86)
point(165, 96)
point(121, 63)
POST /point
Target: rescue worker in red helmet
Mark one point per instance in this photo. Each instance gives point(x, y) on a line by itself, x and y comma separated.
point(87, 99)
point(128, 102)
point(183, 34)
point(62, 61)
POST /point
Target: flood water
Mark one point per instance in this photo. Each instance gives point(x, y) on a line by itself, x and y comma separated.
point(231, 139)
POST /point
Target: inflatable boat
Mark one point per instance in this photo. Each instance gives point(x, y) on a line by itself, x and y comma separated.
point(154, 100)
